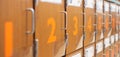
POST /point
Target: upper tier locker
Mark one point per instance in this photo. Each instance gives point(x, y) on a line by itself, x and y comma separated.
point(74, 26)
point(107, 29)
point(99, 28)
point(114, 14)
point(50, 28)
point(15, 22)
point(89, 32)
point(99, 17)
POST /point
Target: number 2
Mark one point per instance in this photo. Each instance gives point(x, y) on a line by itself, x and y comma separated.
point(52, 37)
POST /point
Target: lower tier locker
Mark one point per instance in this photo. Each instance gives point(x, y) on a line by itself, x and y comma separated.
point(77, 53)
point(112, 47)
point(107, 47)
point(89, 50)
point(99, 48)
point(116, 43)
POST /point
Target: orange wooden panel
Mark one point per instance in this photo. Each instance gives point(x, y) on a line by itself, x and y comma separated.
point(99, 19)
point(107, 20)
point(50, 28)
point(107, 52)
point(113, 11)
point(113, 52)
point(74, 25)
point(13, 22)
point(89, 22)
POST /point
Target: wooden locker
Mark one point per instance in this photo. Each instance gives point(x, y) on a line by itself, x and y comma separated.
point(50, 28)
point(14, 21)
point(74, 25)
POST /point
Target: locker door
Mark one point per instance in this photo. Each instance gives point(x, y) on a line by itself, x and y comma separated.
point(119, 29)
point(99, 11)
point(50, 28)
point(89, 40)
point(113, 12)
point(107, 29)
point(116, 30)
point(74, 25)
point(89, 22)
point(99, 21)
point(14, 20)
point(113, 9)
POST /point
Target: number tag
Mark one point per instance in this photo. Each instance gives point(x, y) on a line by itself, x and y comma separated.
point(75, 19)
point(89, 3)
point(74, 2)
point(52, 37)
